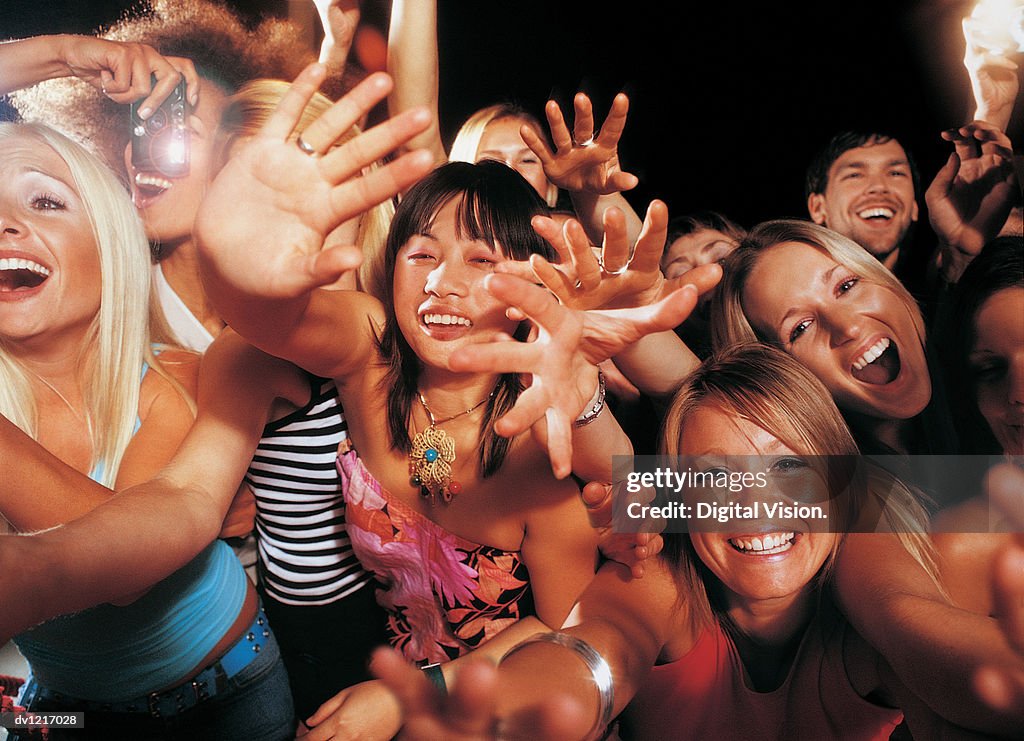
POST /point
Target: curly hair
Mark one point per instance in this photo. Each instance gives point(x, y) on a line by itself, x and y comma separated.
point(224, 50)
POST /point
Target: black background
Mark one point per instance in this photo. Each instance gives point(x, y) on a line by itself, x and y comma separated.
point(729, 100)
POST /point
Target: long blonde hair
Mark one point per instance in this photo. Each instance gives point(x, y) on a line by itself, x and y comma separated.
point(247, 111)
point(769, 388)
point(118, 340)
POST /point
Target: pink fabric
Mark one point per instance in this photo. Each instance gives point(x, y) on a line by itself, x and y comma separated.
point(444, 595)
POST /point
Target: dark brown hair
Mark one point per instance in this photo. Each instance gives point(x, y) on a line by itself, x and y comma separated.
point(495, 205)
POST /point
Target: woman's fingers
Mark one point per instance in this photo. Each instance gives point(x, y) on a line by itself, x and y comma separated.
point(494, 357)
point(553, 279)
point(556, 122)
point(288, 112)
point(537, 145)
point(356, 195)
point(615, 123)
point(615, 252)
point(559, 442)
point(583, 122)
point(651, 242)
point(363, 150)
point(533, 300)
point(348, 111)
point(703, 278)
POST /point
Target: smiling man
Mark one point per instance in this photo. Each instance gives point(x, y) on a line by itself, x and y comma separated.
point(863, 185)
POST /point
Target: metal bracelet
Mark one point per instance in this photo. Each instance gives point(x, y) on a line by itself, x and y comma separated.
point(599, 670)
point(596, 405)
point(436, 677)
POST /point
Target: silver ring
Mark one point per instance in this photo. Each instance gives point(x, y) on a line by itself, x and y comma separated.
point(305, 146)
point(620, 271)
point(586, 143)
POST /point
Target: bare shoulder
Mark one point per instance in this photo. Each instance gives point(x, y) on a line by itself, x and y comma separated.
point(177, 377)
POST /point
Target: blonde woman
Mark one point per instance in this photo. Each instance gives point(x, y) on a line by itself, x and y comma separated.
point(81, 378)
point(585, 162)
point(725, 636)
point(823, 299)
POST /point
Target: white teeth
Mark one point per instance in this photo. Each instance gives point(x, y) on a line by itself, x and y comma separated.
point(765, 544)
point(869, 213)
point(142, 178)
point(446, 319)
point(17, 263)
point(873, 353)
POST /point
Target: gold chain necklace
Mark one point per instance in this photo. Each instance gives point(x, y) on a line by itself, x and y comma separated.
point(432, 455)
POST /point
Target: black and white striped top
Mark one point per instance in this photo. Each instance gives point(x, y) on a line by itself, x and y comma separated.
point(305, 557)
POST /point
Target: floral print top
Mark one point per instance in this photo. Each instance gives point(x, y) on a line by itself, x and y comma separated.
point(444, 595)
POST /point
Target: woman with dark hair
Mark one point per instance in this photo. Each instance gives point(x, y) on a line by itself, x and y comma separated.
point(457, 512)
point(986, 357)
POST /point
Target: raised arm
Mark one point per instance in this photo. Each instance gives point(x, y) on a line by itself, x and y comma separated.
point(626, 621)
point(262, 226)
point(171, 517)
point(413, 64)
point(971, 196)
point(934, 647)
point(121, 71)
point(587, 164)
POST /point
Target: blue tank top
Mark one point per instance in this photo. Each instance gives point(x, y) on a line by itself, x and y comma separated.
point(112, 654)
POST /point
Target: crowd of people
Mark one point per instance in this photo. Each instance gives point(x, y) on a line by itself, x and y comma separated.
point(390, 381)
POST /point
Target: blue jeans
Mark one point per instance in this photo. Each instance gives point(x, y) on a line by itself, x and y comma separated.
point(255, 706)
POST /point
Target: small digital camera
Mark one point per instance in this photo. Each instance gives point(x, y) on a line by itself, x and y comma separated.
point(160, 143)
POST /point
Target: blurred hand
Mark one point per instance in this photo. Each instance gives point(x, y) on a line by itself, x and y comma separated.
point(469, 712)
point(1003, 686)
point(267, 215)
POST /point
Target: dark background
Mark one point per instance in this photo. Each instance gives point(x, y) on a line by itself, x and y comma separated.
point(729, 100)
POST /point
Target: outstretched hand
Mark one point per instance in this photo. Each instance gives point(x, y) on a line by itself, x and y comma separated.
point(562, 357)
point(266, 216)
point(582, 161)
point(971, 196)
point(632, 549)
point(622, 275)
point(1002, 687)
point(470, 712)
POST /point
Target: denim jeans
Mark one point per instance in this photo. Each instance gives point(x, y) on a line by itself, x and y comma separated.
point(256, 705)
